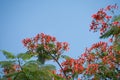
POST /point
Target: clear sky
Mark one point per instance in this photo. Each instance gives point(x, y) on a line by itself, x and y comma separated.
point(68, 20)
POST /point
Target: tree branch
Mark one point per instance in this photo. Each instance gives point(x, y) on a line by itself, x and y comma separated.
point(59, 65)
point(22, 71)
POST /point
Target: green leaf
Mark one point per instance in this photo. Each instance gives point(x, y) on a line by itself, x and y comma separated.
point(104, 54)
point(6, 63)
point(31, 67)
point(114, 30)
point(42, 57)
point(75, 75)
point(24, 56)
point(12, 74)
point(65, 57)
point(56, 77)
point(116, 18)
point(19, 76)
point(40, 48)
point(48, 67)
point(51, 45)
point(117, 47)
point(107, 34)
point(36, 65)
point(36, 71)
point(8, 55)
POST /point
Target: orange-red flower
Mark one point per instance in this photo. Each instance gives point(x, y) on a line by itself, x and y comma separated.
point(92, 69)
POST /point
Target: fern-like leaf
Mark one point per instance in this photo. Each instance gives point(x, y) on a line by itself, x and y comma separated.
point(8, 55)
point(113, 31)
point(116, 18)
point(65, 57)
point(24, 56)
point(6, 63)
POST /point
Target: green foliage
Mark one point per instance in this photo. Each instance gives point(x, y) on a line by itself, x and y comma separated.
point(65, 57)
point(56, 77)
point(117, 47)
point(11, 74)
point(19, 76)
point(24, 56)
point(38, 70)
point(30, 70)
point(48, 66)
point(8, 55)
point(6, 63)
point(103, 54)
point(113, 31)
point(116, 18)
point(43, 55)
point(75, 75)
point(51, 45)
point(35, 71)
point(40, 49)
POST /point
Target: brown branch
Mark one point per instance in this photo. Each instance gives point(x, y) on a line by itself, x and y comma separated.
point(59, 65)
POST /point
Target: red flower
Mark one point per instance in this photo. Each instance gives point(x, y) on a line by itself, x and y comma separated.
point(37, 37)
point(115, 23)
point(102, 16)
point(79, 79)
point(53, 39)
point(108, 7)
point(108, 17)
point(92, 68)
point(73, 65)
point(65, 46)
point(49, 43)
point(26, 41)
point(111, 40)
point(101, 45)
point(58, 45)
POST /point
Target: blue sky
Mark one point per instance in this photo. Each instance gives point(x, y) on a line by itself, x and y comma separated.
point(67, 20)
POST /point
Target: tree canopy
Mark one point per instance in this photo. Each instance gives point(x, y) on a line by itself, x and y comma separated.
point(99, 62)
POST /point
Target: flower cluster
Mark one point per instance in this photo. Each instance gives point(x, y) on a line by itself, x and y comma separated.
point(69, 77)
point(11, 69)
point(99, 56)
point(100, 61)
point(111, 7)
point(101, 20)
point(73, 65)
point(48, 42)
point(92, 69)
point(101, 45)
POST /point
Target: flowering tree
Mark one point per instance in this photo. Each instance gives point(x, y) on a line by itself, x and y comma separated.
point(100, 61)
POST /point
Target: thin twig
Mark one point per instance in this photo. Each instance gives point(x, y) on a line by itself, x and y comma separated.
point(22, 71)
